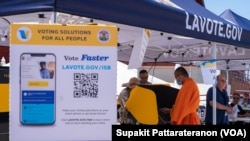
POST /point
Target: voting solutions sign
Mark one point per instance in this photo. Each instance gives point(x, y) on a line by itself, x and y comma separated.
point(59, 76)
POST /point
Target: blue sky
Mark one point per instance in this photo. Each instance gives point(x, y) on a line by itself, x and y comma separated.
point(241, 7)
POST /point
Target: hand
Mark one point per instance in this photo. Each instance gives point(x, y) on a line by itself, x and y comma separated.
point(165, 110)
point(229, 110)
point(173, 123)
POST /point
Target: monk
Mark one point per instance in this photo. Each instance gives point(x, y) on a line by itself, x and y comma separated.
point(187, 101)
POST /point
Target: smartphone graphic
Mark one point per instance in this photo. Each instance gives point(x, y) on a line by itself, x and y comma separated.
point(38, 88)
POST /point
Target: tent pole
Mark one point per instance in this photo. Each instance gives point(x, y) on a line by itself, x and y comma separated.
point(214, 88)
point(175, 67)
point(227, 73)
point(190, 70)
point(53, 17)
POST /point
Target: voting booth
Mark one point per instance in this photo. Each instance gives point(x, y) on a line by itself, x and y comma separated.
point(145, 102)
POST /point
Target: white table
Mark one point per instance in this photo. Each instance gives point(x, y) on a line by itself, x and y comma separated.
point(246, 108)
point(244, 119)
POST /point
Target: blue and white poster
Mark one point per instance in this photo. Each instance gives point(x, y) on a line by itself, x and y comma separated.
point(63, 82)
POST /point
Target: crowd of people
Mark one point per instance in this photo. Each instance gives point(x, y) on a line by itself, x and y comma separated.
point(185, 106)
point(226, 112)
point(184, 109)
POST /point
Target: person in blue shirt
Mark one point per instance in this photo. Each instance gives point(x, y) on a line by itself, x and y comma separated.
point(44, 71)
point(222, 103)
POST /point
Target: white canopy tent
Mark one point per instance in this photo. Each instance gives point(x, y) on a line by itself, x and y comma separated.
point(124, 74)
point(180, 31)
point(185, 34)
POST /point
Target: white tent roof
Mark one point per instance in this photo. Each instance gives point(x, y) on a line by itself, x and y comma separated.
point(162, 47)
point(124, 74)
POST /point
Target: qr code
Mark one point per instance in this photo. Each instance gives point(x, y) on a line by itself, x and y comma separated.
point(85, 85)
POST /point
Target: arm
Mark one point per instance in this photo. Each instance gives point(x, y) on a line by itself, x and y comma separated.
point(221, 107)
point(122, 98)
point(165, 110)
point(242, 113)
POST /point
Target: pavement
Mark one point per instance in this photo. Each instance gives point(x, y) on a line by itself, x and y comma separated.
point(4, 127)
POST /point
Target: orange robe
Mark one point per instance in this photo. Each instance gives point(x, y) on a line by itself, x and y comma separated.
point(186, 104)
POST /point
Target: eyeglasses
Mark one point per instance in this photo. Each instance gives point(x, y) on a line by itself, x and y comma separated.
point(235, 98)
point(223, 81)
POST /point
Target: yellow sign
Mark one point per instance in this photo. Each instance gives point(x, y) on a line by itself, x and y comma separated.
point(4, 89)
point(68, 35)
point(38, 84)
point(4, 98)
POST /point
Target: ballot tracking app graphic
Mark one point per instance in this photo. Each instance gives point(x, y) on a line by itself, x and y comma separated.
point(38, 91)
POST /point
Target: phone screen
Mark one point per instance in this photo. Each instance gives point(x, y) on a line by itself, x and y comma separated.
point(38, 88)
